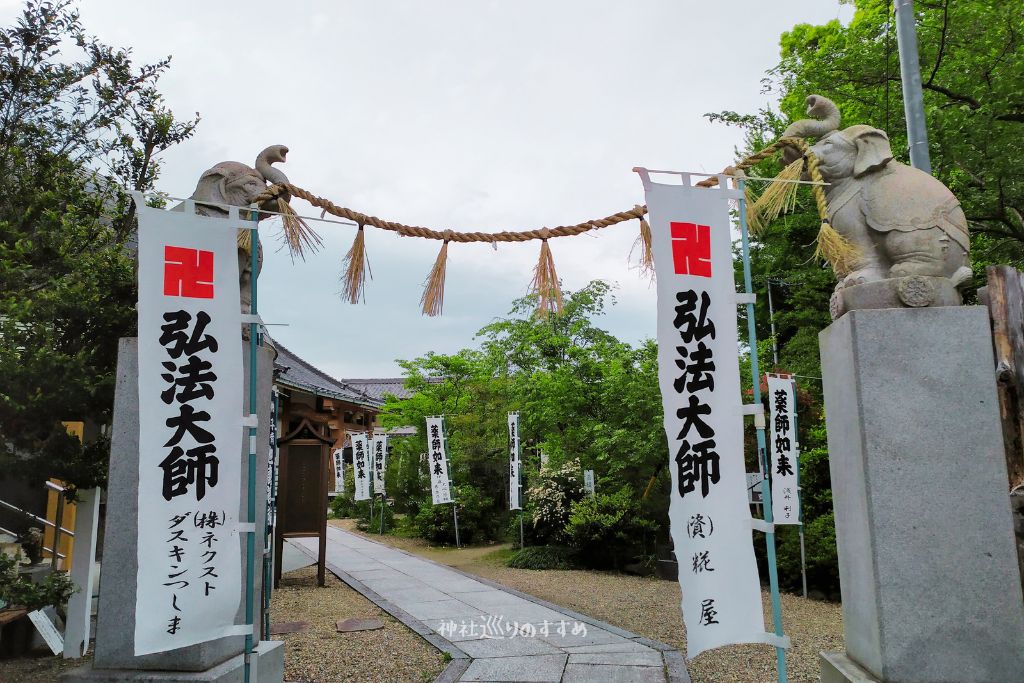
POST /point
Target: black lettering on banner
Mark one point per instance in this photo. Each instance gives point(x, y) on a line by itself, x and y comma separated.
point(690, 325)
point(697, 463)
point(177, 342)
point(708, 612)
point(183, 468)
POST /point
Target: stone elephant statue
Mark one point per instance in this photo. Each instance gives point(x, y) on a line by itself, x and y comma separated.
point(909, 230)
point(235, 184)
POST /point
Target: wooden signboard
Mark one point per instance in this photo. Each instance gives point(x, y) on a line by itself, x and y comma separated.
point(302, 492)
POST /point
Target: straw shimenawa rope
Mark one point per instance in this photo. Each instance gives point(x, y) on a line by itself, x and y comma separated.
point(831, 246)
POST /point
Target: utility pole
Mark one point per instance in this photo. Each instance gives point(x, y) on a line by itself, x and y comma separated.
point(910, 74)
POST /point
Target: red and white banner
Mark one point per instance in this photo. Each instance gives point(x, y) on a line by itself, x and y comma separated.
point(190, 429)
point(362, 466)
point(698, 372)
point(379, 448)
point(785, 460)
point(437, 461)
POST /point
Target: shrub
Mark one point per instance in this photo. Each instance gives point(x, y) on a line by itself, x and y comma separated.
point(544, 557)
point(343, 506)
point(368, 516)
point(549, 504)
point(53, 591)
point(435, 523)
point(608, 529)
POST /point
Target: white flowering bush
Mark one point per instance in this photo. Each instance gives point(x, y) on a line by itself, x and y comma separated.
point(550, 503)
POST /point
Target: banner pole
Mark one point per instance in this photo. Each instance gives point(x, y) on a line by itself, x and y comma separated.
point(250, 537)
point(799, 493)
point(773, 574)
point(455, 514)
point(381, 532)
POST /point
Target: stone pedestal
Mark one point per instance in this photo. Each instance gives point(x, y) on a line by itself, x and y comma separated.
point(115, 628)
point(930, 583)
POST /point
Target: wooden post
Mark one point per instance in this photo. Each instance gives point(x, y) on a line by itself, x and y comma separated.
point(1005, 299)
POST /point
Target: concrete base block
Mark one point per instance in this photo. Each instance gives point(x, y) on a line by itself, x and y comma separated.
point(836, 667)
point(269, 669)
point(927, 558)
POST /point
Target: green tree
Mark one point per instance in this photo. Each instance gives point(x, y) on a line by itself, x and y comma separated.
point(79, 123)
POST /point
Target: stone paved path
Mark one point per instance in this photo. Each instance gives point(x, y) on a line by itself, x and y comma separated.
point(453, 610)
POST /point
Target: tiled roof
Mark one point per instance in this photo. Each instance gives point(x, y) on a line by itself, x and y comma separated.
point(297, 373)
point(380, 387)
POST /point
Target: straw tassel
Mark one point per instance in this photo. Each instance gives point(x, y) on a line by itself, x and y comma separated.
point(643, 240)
point(545, 283)
point(297, 233)
point(357, 266)
point(433, 291)
point(777, 198)
point(836, 249)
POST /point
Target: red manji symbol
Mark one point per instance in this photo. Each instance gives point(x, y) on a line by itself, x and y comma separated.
point(188, 272)
point(691, 249)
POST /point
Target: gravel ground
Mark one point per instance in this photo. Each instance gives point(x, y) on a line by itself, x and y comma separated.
point(321, 655)
point(650, 607)
point(42, 667)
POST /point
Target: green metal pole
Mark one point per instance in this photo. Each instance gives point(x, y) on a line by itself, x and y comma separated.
point(250, 539)
point(769, 537)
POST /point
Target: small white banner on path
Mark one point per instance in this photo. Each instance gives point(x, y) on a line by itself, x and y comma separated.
point(785, 461)
point(437, 461)
point(698, 372)
point(379, 448)
point(361, 466)
point(339, 471)
point(190, 429)
point(514, 462)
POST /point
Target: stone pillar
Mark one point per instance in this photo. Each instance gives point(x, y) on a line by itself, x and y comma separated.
point(930, 584)
point(218, 660)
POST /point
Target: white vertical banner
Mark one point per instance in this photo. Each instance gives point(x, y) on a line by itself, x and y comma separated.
point(785, 458)
point(362, 470)
point(339, 471)
point(514, 462)
point(437, 461)
point(379, 448)
point(190, 428)
point(698, 372)
point(588, 482)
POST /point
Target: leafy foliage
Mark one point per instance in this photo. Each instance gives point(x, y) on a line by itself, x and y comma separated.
point(585, 398)
point(544, 557)
point(608, 530)
point(79, 122)
point(20, 590)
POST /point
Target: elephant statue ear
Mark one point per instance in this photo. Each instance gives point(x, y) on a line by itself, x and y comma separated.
point(873, 150)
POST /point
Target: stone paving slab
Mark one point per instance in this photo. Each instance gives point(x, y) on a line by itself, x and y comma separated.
point(493, 633)
point(535, 669)
point(589, 673)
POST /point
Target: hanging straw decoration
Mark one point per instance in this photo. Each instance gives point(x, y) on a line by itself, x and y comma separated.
point(545, 283)
point(778, 198)
point(643, 240)
point(433, 291)
point(835, 249)
point(357, 266)
point(297, 233)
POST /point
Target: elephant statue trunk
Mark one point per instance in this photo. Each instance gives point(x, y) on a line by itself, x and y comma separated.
point(274, 176)
point(908, 228)
point(825, 119)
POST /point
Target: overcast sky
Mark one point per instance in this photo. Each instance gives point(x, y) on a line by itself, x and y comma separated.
point(468, 114)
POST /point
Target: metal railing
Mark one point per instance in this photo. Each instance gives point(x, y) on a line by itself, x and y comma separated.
point(57, 527)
